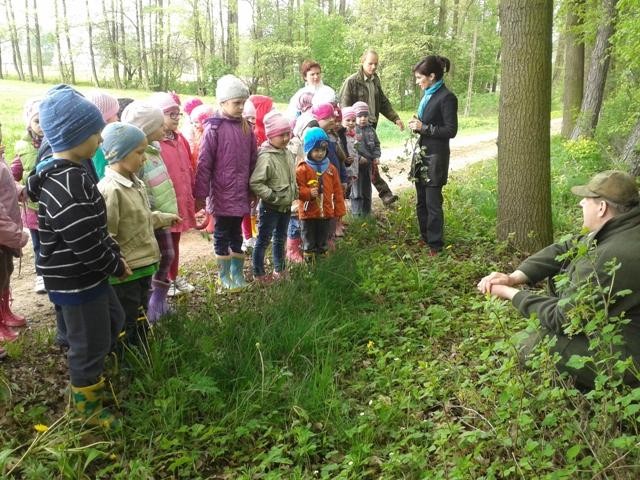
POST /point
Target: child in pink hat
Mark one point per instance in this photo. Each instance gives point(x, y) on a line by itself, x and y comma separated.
point(109, 108)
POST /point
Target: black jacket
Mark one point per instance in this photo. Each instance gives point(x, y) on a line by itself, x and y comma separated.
point(439, 124)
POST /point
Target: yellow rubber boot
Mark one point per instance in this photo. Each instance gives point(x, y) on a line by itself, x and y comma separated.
point(88, 403)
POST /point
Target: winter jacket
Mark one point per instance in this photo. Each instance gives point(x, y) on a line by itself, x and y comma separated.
point(439, 125)
point(332, 195)
point(11, 236)
point(354, 89)
point(154, 174)
point(177, 158)
point(76, 253)
point(368, 143)
point(22, 165)
point(350, 143)
point(274, 178)
point(227, 159)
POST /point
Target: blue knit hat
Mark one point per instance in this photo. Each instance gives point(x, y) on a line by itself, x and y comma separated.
point(119, 140)
point(313, 137)
point(67, 118)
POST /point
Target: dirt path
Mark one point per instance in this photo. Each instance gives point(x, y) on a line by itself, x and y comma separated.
point(195, 247)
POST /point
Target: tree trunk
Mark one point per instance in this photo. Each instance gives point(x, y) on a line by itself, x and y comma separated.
point(472, 71)
point(456, 14)
point(232, 33)
point(113, 52)
point(15, 42)
point(442, 18)
point(631, 152)
point(211, 29)
point(144, 63)
point(598, 69)
point(573, 75)
point(72, 69)
point(558, 63)
point(61, 65)
point(92, 55)
point(127, 68)
point(524, 178)
point(36, 34)
point(159, 46)
point(167, 50)
point(28, 39)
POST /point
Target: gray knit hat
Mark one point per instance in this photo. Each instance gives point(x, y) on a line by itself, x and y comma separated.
point(145, 116)
point(230, 86)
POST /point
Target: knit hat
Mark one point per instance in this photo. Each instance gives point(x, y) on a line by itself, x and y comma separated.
point(275, 123)
point(119, 140)
point(145, 116)
point(30, 110)
point(230, 86)
point(190, 104)
point(614, 185)
point(201, 113)
point(305, 101)
point(323, 111)
point(313, 138)
point(163, 100)
point(106, 103)
point(361, 108)
point(348, 113)
point(249, 109)
point(67, 118)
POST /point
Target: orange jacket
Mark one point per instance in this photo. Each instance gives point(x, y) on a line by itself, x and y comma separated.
point(332, 196)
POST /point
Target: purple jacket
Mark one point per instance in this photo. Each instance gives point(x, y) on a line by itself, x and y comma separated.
point(225, 163)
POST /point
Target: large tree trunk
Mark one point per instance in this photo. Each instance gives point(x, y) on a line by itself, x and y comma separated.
point(598, 69)
point(15, 42)
point(27, 25)
point(92, 55)
point(573, 74)
point(72, 69)
point(36, 35)
point(524, 190)
point(631, 152)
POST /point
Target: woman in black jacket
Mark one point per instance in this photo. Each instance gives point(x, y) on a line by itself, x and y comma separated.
point(436, 123)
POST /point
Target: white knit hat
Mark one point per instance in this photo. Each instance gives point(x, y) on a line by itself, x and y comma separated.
point(230, 86)
point(144, 115)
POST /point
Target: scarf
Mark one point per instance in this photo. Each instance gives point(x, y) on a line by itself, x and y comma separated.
point(319, 167)
point(428, 93)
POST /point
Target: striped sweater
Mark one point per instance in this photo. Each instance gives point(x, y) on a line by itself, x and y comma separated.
point(76, 252)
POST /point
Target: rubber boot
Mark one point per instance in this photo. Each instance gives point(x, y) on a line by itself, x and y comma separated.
point(10, 318)
point(158, 305)
point(224, 267)
point(6, 333)
point(89, 404)
point(294, 252)
point(237, 271)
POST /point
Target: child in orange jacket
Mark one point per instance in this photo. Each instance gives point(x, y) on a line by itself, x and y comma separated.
point(321, 193)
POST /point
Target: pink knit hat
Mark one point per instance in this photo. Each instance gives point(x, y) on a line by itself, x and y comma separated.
point(190, 104)
point(275, 123)
point(200, 113)
point(106, 103)
point(30, 110)
point(304, 101)
point(348, 113)
point(249, 109)
point(361, 108)
point(323, 111)
point(165, 101)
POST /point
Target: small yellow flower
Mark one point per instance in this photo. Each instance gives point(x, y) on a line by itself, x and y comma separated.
point(370, 345)
point(40, 428)
point(113, 457)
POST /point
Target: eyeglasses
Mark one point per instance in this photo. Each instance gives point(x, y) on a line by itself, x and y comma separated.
point(174, 115)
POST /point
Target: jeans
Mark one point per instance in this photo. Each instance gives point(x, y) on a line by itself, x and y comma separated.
point(270, 222)
point(227, 235)
point(315, 235)
point(430, 215)
point(361, 192)
point(134, 297)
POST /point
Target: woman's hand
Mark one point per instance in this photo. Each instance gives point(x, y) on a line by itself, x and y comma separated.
point(415, 125)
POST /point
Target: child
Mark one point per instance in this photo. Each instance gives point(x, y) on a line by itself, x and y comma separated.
point(162, 197)
point(274, 182)
point(77, 254)
point(320, 191)
point(350, 146)
point(198, 116)
point(369, 156)
point(109, 108)
point(227, 159)
point(26, 151)
point(12, 239)
point(187, 128)
point(174, 150)
point(130, 221)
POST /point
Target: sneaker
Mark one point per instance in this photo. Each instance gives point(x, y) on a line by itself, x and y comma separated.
point(174, 291)
point(184, 286)
point(38, 286)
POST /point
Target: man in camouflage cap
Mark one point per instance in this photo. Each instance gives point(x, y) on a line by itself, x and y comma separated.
point(611, 217)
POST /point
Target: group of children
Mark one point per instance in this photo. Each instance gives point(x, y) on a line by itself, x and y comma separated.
point(106, 192)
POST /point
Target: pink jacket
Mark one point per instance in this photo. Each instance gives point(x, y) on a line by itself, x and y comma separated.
point(177, 158)
point(11, 234)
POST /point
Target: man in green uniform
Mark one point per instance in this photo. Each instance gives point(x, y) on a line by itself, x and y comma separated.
point(612, 217)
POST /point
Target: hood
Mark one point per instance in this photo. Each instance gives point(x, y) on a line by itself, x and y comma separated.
point(44, 169)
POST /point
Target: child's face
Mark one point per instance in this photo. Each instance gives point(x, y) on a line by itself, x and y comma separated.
point(134, 159)
point(251, 120)
point(327, 124)
point(233, 107)
point(87, 149)
point(156, 135)
point(280, 141)
point(172, 119)
point(362, 120)
point(34, 125)
point(349, 123)
point(317, 154)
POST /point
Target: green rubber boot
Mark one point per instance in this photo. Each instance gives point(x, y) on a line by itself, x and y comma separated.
point(237, 271)
point(224, 275)
point(88, 402)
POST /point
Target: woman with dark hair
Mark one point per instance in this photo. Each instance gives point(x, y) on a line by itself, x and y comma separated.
point(311, 73)
point(436, 123)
